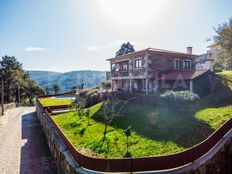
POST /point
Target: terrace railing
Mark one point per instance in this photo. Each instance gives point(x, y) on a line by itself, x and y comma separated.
point(144, 163)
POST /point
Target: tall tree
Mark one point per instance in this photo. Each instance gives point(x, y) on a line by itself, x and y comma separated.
point(18, 80)
point(125, 49)
point(17, 83)
point(32, 90)
point(9, 64)
point(223, 38)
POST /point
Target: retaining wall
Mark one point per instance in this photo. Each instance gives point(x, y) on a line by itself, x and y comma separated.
point(8, 106)
point(217, 160)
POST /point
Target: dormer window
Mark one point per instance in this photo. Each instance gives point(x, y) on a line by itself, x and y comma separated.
point(187, 64)
point(176, 63)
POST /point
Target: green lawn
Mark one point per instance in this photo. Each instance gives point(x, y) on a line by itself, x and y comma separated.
point(173, 132)
point(227, 77)
point(51, 101)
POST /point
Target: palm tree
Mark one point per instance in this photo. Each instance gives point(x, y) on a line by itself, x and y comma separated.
point(56, 88)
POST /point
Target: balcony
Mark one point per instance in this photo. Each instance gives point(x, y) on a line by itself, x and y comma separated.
point(119, 73)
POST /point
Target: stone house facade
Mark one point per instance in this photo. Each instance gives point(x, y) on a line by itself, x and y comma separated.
point(151, 70)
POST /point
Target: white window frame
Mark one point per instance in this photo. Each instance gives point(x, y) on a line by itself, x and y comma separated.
point(175, 63)
point(134, 63)
point(190, 64)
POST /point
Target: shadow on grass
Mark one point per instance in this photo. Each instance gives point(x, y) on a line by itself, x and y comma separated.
point(35, 154)
point(182, 128)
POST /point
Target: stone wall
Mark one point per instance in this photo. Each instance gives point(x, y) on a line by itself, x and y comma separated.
point(63, 159)
point(219, 163)
point(8, 106)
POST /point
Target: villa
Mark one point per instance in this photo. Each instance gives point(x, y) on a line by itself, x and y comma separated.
point(151, 70)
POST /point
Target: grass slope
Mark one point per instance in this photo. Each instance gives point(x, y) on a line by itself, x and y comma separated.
point(226, 77)
point(173, 132)
point(51, 101)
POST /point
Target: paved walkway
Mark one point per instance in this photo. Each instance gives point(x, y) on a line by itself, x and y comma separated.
point(23, 147)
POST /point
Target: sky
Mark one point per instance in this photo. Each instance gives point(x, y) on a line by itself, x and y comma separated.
point(67, 35)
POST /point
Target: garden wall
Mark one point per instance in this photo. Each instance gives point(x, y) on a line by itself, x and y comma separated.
point(8, 106)
point(64, 162)
point(217, 160)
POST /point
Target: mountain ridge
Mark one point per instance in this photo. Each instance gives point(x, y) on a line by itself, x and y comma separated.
point(67, 80)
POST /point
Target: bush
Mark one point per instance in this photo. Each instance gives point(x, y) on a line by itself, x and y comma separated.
point(177, 99)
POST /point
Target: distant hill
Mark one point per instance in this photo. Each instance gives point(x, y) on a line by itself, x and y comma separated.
point(69, 79)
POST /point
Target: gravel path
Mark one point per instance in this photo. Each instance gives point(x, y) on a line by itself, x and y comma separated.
point(23, 147)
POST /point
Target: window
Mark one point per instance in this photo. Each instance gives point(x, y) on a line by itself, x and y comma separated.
point(138, 63)
point(124, 67)
point(176, 63)
point(187, 64)
point(113, 67)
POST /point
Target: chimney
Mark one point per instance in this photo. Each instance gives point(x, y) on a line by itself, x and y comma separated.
point(189, 50)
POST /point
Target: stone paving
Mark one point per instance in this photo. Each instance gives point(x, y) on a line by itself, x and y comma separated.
point(23, 147)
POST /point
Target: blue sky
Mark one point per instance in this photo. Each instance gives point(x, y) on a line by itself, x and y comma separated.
point(65, 35)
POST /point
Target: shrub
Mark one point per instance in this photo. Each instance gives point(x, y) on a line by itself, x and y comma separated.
point(177, 99)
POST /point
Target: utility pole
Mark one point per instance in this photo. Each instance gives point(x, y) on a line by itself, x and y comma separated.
point(2, 96)
point(2, 89)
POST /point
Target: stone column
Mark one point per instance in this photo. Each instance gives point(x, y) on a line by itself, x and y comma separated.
point(130, 85)
point(146, 85)
point(191, 85)
point(146, 73)
point(130, 73)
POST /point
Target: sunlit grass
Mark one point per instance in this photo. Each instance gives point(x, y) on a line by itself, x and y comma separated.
point(227, 77)
point(215, 117)
point(51, 101)
point(173, 132)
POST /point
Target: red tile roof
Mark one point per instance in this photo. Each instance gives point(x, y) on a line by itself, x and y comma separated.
point(185, 75)
point(153, 50)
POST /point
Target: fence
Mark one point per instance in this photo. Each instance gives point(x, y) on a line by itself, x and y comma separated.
point(71, 93)
point(141, 164)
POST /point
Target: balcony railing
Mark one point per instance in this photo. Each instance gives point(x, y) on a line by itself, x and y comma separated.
point(119, 73)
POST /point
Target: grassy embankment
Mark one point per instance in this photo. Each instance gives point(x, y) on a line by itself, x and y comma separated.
point(226, 77)
point(155, 129)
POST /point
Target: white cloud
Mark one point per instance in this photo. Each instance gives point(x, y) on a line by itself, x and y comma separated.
point(35, 49)
point(92, 48)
